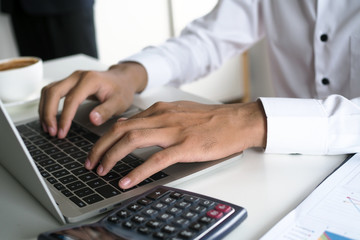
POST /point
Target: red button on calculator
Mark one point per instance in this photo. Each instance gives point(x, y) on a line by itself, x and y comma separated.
point(214, 214)
point(223, 208)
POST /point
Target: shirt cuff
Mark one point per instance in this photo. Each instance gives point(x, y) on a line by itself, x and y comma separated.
point(157, 68)
point(295, 126)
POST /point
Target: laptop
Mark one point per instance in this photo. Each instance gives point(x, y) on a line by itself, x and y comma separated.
point(57, 178)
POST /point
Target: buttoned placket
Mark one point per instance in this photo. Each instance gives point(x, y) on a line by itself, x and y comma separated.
point(322, 36)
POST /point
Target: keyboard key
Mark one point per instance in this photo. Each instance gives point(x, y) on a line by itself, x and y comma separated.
point(186, 234)
point(79, 171)
point(169, 229)
point(79, 154)
point(92, 199)
point(52, 150)
point(78, 202)
point(82, 143)
point(96, 183)
point(121, 168)
point(68, 179)
point(196, 226)
point(191, 199)
point(35, 152)
point(206, 203)
point(206, 220)
point(111, 176)
point(114, 219)
point(71, 149)
point(223, 208)
point(84, 192)
point(134, 207)
point(75, 185)
point(41, 157)
point(128, 224)
point(146, 181)
point(123, 213)
point(176, 195)
point(66, 193)
point(57, 155)
point(159, 192)
point(72, 165)
point(150, 212)
point(144, 230)
point(60, 173)
point(198, 209)
point(174, 211)
point(158, 176)
point(138, 219)
point(183, 204)
point(53, 168)
point(154, 224)
point(144, 201)
point(182, 222)
point(59, 186)
point(214, 214)
point(65, 160)
point(165, 217)
point(107, 191)
point(190, 215)
point(88, 176)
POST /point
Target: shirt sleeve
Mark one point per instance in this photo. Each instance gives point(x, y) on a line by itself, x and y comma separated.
point(311, 126)
point(203, 45)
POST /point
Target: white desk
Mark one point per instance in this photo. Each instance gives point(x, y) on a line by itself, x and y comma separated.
point(267, 185)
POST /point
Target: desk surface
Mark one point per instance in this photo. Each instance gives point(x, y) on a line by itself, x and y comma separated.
point(267, 185)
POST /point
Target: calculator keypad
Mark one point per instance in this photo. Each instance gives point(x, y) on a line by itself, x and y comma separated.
point(169, 214)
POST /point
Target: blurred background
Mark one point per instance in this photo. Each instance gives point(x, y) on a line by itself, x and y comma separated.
point(124, 27)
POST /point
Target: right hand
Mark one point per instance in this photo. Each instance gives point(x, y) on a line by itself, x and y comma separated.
point(114, 89)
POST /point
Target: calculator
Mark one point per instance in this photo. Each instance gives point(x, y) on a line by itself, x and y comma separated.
point(160, 213)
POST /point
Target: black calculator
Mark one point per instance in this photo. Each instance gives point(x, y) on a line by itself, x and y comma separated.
point(160, 213)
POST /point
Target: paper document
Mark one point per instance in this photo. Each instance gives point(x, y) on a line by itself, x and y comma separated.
point(330, 212)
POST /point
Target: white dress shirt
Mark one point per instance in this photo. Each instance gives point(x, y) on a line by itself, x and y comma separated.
point(314, 50)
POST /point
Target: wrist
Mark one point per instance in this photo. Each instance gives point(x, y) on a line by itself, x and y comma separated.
point(133, 72)
point(262, 124)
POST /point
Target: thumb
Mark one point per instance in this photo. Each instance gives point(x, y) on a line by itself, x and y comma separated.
point(106, 110)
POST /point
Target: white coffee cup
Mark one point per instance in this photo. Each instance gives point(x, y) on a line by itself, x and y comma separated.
point(20, 77)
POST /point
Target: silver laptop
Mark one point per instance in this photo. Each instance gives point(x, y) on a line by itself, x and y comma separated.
point(57, 178)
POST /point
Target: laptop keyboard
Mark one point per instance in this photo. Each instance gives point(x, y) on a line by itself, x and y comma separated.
point(61, 163)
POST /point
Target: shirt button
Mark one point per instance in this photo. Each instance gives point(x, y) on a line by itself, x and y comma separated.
point(324, 37)
point(325, 81)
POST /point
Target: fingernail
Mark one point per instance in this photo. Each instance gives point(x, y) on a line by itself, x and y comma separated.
point(52, 131)
point(122, 119)
point(100, 169)
point(87, 164)
point(125, 182)
point(96, 117)
point(44, 127)
point(61, 133)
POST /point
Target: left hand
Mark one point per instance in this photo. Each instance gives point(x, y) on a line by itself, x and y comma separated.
point(187, 132)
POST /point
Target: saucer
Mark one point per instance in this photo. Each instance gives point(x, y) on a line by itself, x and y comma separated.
point(32, 98)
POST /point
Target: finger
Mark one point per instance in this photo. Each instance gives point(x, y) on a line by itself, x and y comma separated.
point(49, 101)
point(132, 140)
point(154, 164)
point(118, 130)
point(79, 92)
point(106, 110)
